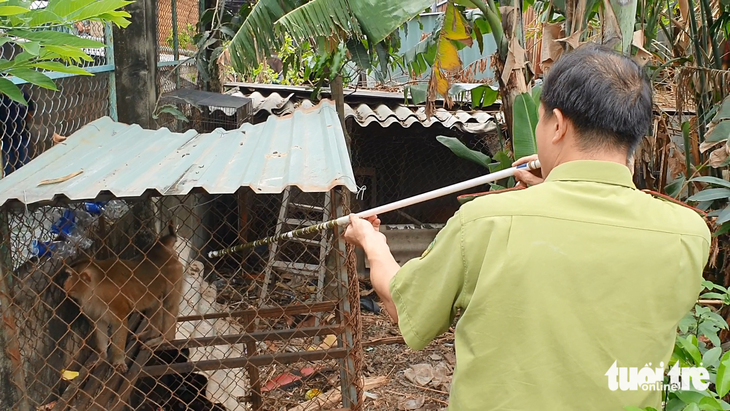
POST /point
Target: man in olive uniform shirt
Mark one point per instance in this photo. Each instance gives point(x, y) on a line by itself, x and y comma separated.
point(557, 281)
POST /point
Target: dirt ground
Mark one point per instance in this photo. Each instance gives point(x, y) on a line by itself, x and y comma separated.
point(417, 380)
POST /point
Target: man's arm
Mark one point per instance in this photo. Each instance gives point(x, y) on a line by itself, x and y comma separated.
point(383, 266)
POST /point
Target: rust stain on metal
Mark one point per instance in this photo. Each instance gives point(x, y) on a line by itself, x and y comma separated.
point(276, 154)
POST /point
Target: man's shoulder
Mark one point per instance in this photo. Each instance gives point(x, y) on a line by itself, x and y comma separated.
point(683, 217)
point(496, 203)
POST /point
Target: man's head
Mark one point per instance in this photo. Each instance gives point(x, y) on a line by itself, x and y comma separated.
point(595, 104)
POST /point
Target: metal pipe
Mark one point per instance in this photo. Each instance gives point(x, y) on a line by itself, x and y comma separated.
point(345, 220)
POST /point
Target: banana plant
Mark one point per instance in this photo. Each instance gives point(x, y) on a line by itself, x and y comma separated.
point(42, 47)
point(365, 28)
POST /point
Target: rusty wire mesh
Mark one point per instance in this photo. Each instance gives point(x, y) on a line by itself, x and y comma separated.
point(28, 130)
point(240, 342)
point(177, 25)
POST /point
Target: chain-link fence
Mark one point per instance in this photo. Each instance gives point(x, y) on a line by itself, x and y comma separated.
point(176, 69)
point(88, 288)
point(28, 130)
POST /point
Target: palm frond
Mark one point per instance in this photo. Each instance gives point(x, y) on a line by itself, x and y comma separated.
point(320, 18)
point(256, 39)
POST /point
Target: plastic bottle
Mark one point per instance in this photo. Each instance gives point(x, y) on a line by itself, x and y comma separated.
point(115, 209)
point(53, 249)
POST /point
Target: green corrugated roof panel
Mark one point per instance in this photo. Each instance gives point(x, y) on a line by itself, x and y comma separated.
point(306, 149)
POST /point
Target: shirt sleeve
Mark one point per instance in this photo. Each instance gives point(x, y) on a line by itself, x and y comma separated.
point(425, 289)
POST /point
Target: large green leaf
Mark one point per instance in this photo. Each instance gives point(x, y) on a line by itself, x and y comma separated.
point(482, 95)
point(320, 18)
point(34, 77)
point(98, 8)
point(722, 383)
point(524, 121)
point(379, 18)
point(61, 68)
point(723, 113)
point(256, 39)
point(458, 148)
point(691, 349)
point(417, 93)
point(65, 8)
point(503, 162)
point(12, 10)
point(711, 194)
point(11, 90)
point(724, 216)
point(674, 188)
point(712, 180)
point(56, 38)
point(420, 57)
point(718, 132)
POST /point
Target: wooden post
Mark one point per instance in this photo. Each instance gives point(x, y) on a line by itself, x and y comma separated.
point(12, 356)
point(338, 95)
point(135, 55)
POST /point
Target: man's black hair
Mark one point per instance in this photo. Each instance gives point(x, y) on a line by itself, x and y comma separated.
point(606, 96)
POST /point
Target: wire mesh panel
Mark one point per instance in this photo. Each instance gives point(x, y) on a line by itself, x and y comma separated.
point(28, 130)
point(176, 69)
point(120, 305)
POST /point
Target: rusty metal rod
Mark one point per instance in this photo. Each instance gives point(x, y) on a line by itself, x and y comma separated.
point(240, 362)
point(345, 220)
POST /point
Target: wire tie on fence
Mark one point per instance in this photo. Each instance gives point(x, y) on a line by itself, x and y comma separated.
point(360, 195)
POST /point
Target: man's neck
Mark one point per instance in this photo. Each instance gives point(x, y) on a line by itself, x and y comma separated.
point(611, 156)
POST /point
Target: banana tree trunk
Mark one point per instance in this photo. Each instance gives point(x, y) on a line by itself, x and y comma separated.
point(625, 12)
point(512, 68)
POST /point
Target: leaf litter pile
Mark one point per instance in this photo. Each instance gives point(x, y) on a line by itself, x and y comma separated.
point(417, 380)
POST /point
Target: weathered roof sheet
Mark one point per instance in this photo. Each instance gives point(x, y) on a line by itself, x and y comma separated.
point(306, 149)
point(475, 122)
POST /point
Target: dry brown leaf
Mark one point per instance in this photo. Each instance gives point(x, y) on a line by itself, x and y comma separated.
point(515, 59)
point(718, 157)
point(706, 145)
point(573, 40)
point(57, 138)
point(412, 403)
point(60, 179)
point(420, 374)
point(642, 56)
point(551, 49)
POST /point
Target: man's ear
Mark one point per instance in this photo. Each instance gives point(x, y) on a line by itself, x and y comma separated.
point(561, 126)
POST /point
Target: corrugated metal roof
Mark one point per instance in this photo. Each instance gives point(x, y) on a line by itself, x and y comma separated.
point(306, 149)
point(475, 122)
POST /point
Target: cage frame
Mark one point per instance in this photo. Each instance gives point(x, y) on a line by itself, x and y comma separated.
point(346, 351)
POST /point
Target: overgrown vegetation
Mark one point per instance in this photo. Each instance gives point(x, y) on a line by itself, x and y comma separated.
point(35, 33)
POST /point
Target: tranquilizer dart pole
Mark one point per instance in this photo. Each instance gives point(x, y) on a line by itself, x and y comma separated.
point(345, 220)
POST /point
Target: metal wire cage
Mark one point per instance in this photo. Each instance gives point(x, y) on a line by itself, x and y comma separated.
point(254, 330)
point(207, 111)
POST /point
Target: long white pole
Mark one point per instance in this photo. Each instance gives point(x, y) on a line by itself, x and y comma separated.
point(345, 220)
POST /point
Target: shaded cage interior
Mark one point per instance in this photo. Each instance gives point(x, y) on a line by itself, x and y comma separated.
point(256, 329)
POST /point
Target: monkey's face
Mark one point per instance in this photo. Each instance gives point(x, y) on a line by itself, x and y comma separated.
point(77, 284)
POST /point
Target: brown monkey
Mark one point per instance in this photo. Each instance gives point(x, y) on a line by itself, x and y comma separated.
point(109, 290)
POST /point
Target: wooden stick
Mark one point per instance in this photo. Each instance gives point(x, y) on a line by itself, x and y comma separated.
point(711, 302)
point(383, 341)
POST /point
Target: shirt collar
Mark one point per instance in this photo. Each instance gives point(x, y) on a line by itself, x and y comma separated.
point(606, 172)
